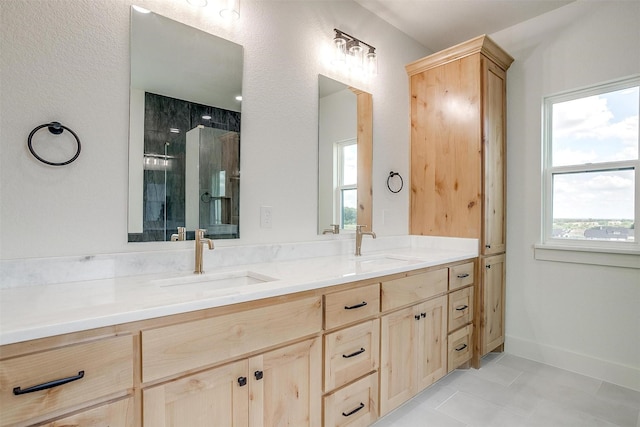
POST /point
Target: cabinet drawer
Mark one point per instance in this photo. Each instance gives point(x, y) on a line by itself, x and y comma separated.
point(116, 414)
point(460, 275)
point(350, 306)
point(355, 405)
point(187, 346)
point(408, 290)
point(351, 353)
point(460, 308)
point(460, 347)
point(104, 369)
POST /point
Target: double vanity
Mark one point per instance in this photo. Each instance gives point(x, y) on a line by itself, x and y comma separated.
point(319, 341)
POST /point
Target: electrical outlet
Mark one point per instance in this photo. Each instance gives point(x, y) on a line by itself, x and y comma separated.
point(265, 216)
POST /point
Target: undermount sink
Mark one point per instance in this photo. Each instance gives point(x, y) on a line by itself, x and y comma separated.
point(382, 261)
point(217, 280)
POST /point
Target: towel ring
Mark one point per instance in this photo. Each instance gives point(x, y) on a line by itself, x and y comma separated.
point(391, 175)
point(56, 129)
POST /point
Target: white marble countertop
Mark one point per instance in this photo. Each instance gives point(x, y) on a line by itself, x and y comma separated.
point(31, 312)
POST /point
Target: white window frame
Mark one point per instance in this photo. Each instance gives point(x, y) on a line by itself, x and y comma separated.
point(629, 251)
point(340, 186)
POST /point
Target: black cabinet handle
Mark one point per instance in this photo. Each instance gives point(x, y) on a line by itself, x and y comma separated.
point(347, 356)
point(354, 411)
point(423, 315)
point(55, 383)
point(351, 307)
point(487, 246)
point(462, 308)
point(488, 266)
point(463, 275)
point(417, 317)
point(258, 374)
point(462, 347)
point(242, 381)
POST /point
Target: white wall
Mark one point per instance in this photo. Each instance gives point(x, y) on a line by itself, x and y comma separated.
point(68, 61)
point(580, 317)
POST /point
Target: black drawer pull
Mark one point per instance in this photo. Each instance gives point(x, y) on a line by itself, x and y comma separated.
point(487, 246)
point(354, 411)
point(242, 381)
point(55, 383)
point(462, 347)
point(258, 375)
point(462, 308)
point(417, 317)
point(463, 275)
point(347, 356)
point(351, 307)
point(423, 315)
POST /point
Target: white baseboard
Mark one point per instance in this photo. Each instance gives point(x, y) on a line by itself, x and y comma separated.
point(622, 375)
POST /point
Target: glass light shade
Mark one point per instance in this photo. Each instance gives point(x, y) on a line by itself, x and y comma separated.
point(339, 49)
point(371, 61)
point(230, 10)
point(355, 56)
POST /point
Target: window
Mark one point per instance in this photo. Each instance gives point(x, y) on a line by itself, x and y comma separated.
point(591, 166)
point(346, 194)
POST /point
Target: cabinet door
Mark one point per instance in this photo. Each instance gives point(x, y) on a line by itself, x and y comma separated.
point(494, 296)
point(397, 358)
point(286, 386)
point(494, 101)
point(219, 396)
point(431, 357)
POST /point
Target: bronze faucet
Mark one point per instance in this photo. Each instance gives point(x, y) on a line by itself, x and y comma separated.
point(201, 241)
point(359, 234)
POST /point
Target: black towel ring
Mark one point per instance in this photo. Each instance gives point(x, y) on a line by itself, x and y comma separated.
point(56, 129)
point(391, 175)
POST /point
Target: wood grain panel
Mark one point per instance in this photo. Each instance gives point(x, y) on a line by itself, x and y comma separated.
point(494, 231)
point(408, 290)
point(107, 366)
point(183, 347)
point(354, 406)
point(364, 103)
point(351, 353)
point(346, 307)
point(446, 150)
point(116, 414)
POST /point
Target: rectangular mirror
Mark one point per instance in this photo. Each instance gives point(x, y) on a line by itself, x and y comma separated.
point(345, 154)
point(184, 136)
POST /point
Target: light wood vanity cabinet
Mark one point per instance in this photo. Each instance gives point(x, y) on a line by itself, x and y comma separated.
point(458, 153)
point(340, 356)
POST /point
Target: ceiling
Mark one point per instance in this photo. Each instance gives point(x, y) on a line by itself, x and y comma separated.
point(438, 24)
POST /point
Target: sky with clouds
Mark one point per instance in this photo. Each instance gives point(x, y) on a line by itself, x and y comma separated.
point(596, 129)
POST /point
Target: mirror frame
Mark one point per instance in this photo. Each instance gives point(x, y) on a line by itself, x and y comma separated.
point(364, 140)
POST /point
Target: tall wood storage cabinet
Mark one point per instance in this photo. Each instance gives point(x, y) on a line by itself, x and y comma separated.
point(458, 144)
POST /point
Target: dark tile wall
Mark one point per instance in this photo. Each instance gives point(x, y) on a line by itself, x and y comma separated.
point(164, 191)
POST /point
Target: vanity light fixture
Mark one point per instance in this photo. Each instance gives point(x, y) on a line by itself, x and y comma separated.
point(350, 51)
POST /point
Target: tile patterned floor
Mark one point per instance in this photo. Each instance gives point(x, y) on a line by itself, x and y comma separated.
point(509, 391)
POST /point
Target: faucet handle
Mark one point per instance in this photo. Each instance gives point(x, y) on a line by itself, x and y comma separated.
point(181, 235)
point(359, 227)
